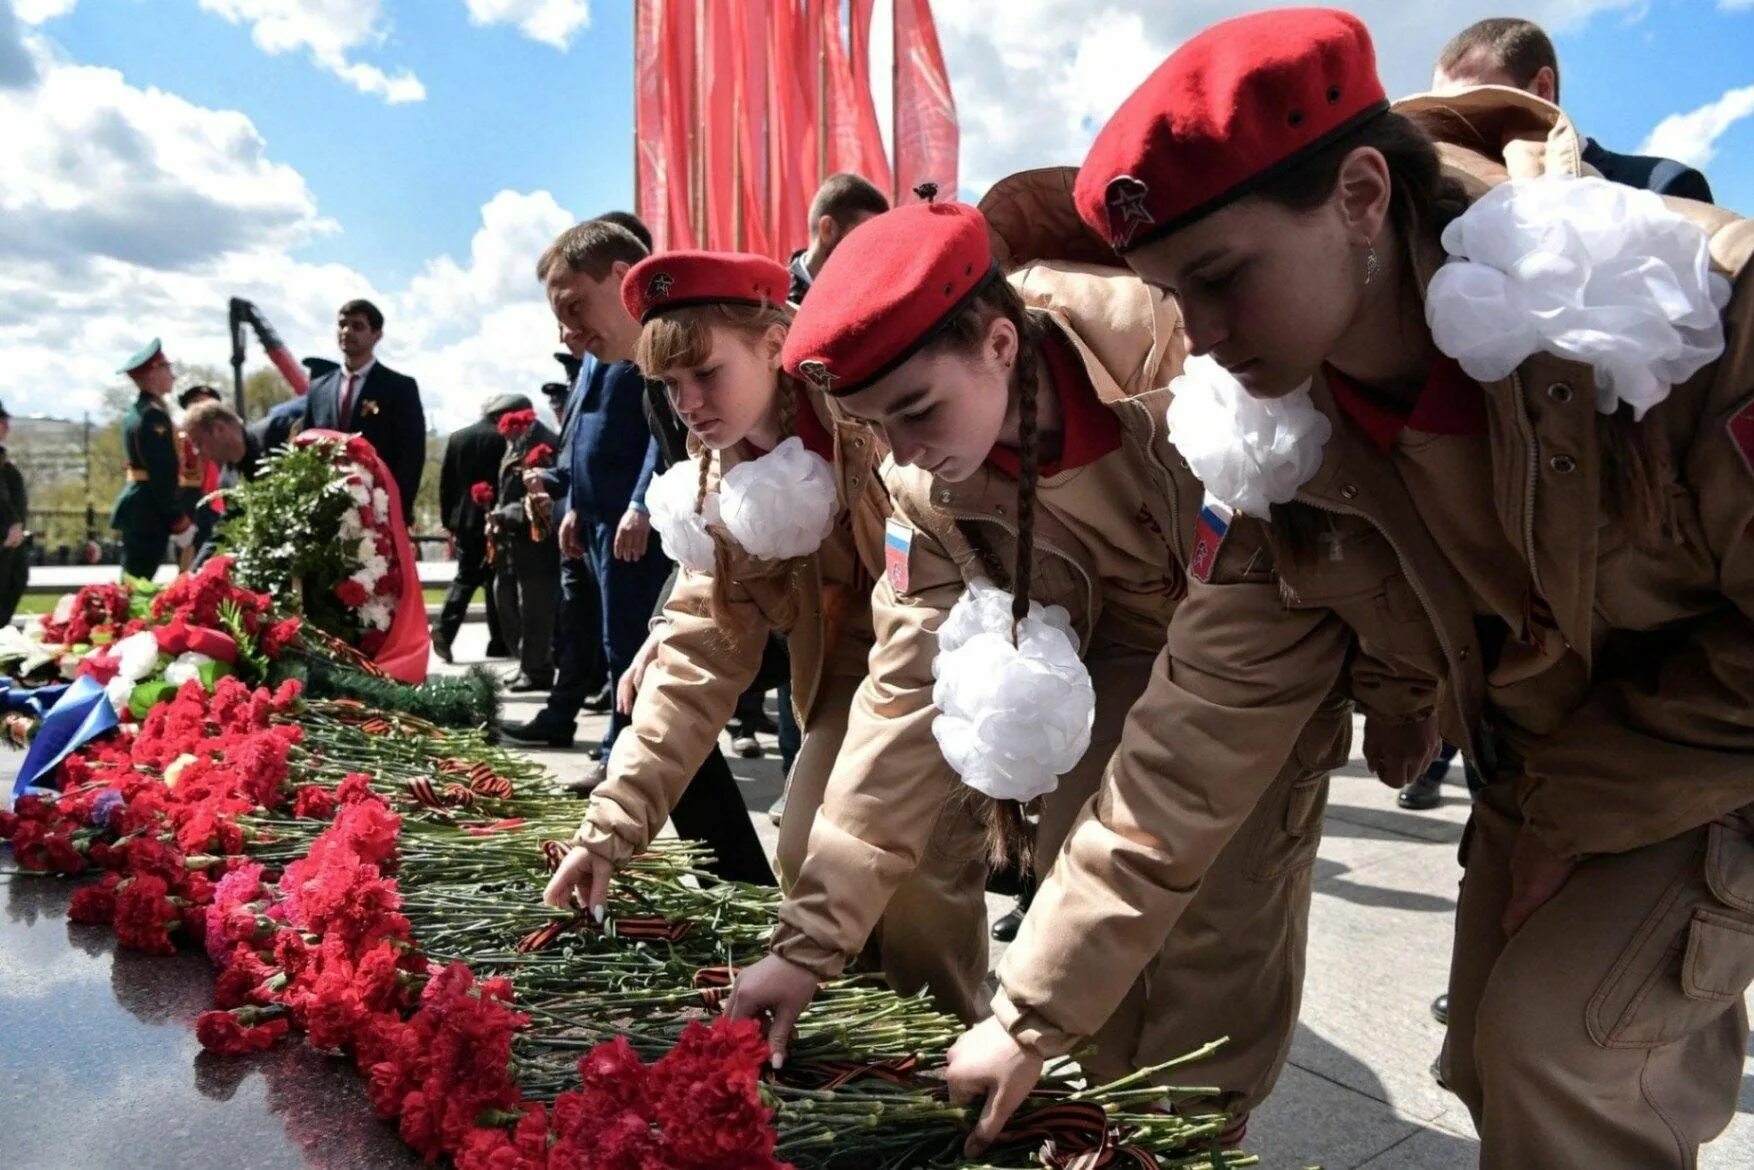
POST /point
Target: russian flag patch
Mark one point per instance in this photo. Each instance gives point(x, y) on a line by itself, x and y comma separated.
point(898, 542)
point(1209, 534)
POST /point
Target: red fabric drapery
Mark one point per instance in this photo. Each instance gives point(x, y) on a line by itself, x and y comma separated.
point(742, 107)
point(926, 134)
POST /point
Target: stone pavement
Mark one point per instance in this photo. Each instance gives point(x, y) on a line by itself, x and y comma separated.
point(1358, 1090)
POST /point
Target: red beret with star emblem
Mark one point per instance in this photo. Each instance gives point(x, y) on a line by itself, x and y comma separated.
point(885, 291)
point(677, 280)
point(1240, 103)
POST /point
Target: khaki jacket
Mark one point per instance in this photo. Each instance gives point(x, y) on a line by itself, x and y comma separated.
point(704, 662)
point(1624, 766)
point(1111, 540)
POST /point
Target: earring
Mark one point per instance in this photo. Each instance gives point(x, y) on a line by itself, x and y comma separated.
point(1372, 266)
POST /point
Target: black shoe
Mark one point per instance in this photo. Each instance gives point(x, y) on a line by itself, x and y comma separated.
point(443, 650)
point(1437, 1075)
point(524, 684)
point(1005, 930)
point(602, 701)
point(1440, 1010)
point(537, 733)
point(497, 650)
point(594, 775)
point(747, 746)
point(1424, 793)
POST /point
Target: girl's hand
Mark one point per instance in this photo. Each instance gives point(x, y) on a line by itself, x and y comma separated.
point(987, 1062)
point(778, 988)
point(1399, 753)
point(582, 880)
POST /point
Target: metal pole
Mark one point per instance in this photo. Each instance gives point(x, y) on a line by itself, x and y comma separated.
point(894, 107)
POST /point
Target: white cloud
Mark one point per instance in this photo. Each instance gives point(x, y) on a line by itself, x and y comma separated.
point(331, 30)
point(38, 11)
point(127, 212)
point(1035, 79)
point(1735, 5)
point(553, 22)
point(1692, 137)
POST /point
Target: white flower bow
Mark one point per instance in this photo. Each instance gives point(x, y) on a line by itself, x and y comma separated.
point(1011, 719)
point(781, 505)
point(1584, 269)
point(1249, 452)
point(681, 530)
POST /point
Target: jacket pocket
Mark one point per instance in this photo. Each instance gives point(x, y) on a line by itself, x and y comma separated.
point(1288, 826)
point(1729, 861)
point(1686, 966)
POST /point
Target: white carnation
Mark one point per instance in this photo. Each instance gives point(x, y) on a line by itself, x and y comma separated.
point(381, 503)
point(1584, 269)
point(184, 667)
point(781, 505)
point(118, 690)
point(1011, 719)
point(1249, 452)
point(683, 532)
point(137, 655)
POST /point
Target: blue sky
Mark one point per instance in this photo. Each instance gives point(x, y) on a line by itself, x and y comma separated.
point(422, 151)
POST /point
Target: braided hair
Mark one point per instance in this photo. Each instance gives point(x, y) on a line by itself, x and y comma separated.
point(1010, 839)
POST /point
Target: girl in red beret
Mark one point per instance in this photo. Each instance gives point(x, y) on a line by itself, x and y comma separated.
point(777, 525)
point(1033, 560)
point(1516, 403)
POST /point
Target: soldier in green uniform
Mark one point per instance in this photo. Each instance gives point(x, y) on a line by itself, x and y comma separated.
point(150, 509)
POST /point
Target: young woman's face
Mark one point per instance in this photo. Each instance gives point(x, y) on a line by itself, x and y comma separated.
point(942, 410)
point(1264, 290)
point(731, 392)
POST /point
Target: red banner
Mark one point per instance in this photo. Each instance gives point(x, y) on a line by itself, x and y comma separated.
point(926, 136)
point(742, 107)
point(854, 141)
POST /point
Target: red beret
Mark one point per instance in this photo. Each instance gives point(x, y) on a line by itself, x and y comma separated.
point(1234, 106)
point(675, 280)
point(885, 290)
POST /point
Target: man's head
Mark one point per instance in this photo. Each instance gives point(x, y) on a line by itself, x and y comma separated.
point(216, 431)
point(582, 272)
point(5, 424)
point(556, 393)
point(194, 394)
point(842, 203)
point(1501, 51)
point(150, 370)
point(359, 326)
point(632, 223)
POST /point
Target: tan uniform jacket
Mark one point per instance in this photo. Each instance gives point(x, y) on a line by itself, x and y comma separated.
point(1631, 764)
point(705, 662)
point(1111, 540)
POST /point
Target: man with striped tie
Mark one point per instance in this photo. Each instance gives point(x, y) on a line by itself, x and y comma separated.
point(366, 397)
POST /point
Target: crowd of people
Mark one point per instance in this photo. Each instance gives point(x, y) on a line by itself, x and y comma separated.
point(919, 481)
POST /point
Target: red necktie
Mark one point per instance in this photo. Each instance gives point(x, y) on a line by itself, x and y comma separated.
point(347, 403)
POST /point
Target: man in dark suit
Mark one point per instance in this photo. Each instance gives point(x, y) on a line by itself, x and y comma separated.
point(218, 435)
point(472, 456)
point(1520, 54)
point(609, 458)
point(367, 397)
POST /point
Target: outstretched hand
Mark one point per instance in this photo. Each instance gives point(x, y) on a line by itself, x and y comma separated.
point(987, 1063)
point(779, 990)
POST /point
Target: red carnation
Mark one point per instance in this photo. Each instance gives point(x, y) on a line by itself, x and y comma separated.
point(355, 787)
point(279, 636)
point(351, 593)
point(513, 424)
point(145, 915)
point(482, 494)
point(94, 905)
point(541, 455)
point(314, 803)
point(236, 1033)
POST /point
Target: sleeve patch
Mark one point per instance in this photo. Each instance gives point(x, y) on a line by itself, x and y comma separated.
point(898, 543)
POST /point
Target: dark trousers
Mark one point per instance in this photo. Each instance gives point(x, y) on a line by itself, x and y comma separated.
point(712, 810)
point(473, 573)
point(577, 645)
point(629, 591)
point(14, 576)
point(142, 553)
point(526, 587)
